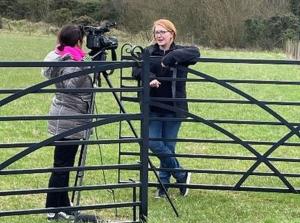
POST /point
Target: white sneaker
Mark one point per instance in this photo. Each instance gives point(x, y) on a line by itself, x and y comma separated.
point(60, 216)
point(185, 190)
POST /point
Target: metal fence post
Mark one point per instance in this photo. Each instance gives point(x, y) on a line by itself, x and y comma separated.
point(145, 136)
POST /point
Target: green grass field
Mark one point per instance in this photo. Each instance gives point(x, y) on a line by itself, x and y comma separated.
point(201, 205)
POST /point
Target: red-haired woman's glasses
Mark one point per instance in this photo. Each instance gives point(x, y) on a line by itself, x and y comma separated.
point(160, 32)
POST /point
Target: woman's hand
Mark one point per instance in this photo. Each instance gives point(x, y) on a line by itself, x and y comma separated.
point(155, 83)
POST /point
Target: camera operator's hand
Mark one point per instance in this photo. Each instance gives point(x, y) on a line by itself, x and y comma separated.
point(155, 83)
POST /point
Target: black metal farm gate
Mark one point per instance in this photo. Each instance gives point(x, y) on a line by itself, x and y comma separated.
point(241, 133)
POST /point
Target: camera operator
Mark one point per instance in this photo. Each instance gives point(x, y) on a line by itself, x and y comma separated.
point(173, 57)
point(69, 48)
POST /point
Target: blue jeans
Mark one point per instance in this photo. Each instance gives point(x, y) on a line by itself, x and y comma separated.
point(164, 130)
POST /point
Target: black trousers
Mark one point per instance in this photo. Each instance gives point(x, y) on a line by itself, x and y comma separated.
point(64, 156)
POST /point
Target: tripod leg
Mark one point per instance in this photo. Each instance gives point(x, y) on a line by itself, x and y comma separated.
point(77, 173)
point(82, 156)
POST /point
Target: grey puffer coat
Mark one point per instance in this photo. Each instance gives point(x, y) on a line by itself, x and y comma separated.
point(67, 103)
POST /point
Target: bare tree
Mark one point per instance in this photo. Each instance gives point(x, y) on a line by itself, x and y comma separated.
point(211, 22)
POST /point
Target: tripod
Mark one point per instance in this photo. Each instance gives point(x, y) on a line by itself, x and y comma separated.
point(101, 55)
point(98, 56)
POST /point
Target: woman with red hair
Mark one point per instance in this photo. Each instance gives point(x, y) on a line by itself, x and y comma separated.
point(173, 63)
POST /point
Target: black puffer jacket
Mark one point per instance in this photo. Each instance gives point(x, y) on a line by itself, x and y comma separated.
point(178, 57)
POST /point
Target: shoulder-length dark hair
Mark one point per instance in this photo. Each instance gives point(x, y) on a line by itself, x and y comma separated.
point(69, 35)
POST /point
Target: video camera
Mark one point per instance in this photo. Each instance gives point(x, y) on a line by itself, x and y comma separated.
point(96, 40)
point(98, 43)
